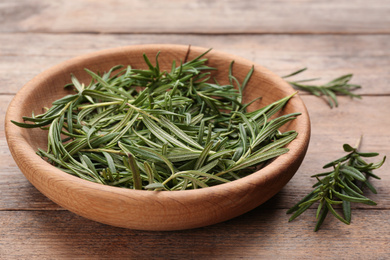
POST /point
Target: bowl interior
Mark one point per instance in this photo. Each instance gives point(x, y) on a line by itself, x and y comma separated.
point(243, 194)
point(50, 87)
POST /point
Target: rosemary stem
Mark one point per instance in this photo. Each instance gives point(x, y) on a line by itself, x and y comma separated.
point(103, 104)
point(359, 143)
point(143, 112)
point(100, 150)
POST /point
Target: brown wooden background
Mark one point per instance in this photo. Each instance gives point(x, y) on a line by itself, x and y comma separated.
point(331, 37)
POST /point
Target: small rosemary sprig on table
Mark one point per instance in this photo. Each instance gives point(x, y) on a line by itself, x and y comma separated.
point(342, 185)
point(336, 86)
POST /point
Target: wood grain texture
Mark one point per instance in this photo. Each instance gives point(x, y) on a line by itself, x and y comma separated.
point(259, 234)
point(205, 17)
point(326, 56)
point(330, 37)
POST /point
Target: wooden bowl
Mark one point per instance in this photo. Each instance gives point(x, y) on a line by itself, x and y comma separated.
point(141, 209)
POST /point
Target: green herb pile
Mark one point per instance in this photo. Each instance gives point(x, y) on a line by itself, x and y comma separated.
point(158, 130)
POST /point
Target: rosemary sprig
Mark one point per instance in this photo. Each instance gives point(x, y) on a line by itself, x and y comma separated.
point(342, 185)
point(161, 130)
point(336, 86)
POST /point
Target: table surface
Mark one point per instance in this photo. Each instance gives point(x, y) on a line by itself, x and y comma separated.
point(331, 38)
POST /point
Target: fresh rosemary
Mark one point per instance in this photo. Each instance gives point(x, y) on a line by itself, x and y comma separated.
point(342, 185)
point(158, 130)
point(339, 85)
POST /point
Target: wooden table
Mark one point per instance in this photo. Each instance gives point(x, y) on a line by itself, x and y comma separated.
point(332, 38)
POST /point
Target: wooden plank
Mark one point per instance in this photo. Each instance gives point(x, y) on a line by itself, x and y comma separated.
point(331, 128)
point(259, 234)
point(206, 17)
point(16, 192)
point(326, 56)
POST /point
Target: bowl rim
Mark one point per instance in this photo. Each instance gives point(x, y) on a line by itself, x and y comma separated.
point(23, 152)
